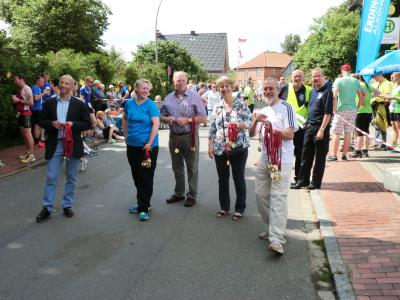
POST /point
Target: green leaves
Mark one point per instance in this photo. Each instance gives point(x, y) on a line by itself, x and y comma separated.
point(40, 26)
point(332, 42)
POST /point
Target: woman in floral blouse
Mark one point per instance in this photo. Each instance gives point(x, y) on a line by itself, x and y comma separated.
point(228, 143)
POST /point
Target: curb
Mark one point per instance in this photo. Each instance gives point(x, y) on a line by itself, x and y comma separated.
point(340, 275)
point(39, 163)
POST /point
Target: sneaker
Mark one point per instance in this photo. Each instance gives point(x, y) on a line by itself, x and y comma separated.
point(84, 163)
point(44, 214)
point(112, 141)
point(276, 247)
point(143, 216)
point(263, 236)
point(331, 158)
point(29, 158)
point(357, 154)
point(68, 212)
point(135, 209)
point(344, 157)
point(40, 144)
point(24, 156)
point(365, 153)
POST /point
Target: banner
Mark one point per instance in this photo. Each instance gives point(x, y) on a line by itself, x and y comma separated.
point(372, 25)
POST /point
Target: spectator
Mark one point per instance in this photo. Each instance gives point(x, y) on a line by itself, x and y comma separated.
point(107, 124)
point(345, 90)
point(37, 110)
point(124, 91)
point(85, 91)
point(23, 101)
point(47, 86)
point(111, 94)
point(212, 97)
point(248, 94)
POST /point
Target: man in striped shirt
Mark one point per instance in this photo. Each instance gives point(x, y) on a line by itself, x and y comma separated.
point(271, 195)
point(179, 109)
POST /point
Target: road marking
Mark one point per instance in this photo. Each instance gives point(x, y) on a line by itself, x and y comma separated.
point(14, 246)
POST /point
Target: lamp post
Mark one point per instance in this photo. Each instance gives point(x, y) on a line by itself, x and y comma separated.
point(158, 10)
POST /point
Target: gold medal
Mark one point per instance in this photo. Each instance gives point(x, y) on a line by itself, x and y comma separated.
point(193, 148)
point(146, 163)
point(233, 145)
point(176, 150)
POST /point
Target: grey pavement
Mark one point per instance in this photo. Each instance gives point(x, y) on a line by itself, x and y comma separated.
point(181, 253)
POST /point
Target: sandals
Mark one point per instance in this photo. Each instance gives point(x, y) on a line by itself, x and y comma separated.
point(222, 214)
point(236, 216)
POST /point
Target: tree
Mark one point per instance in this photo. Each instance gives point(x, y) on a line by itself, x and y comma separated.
point(332, 42)
point(40, 26)
point(156, 74)
point(291, 43)
point(170, 53)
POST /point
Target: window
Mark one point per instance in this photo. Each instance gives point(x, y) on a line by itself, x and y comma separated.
point(240, 83)
point(273, 72)
point(258, 72)
point(246, 72)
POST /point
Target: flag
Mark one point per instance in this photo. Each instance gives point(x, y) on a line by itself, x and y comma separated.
point(240, 53)
point(372, 25)
point(242, 40)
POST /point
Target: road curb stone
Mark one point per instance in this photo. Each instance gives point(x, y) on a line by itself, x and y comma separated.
point(341, 277)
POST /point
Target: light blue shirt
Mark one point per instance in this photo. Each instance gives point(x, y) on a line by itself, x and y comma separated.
point(62, 110)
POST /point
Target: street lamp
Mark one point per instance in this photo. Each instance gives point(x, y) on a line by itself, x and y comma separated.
point(158, 10)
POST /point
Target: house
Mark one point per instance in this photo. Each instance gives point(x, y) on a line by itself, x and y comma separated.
point(266, 64)
point(210, 49)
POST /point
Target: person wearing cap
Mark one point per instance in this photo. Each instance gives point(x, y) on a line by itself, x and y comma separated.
point(345, 90)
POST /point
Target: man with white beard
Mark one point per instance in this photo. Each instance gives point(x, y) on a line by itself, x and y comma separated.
point(271, 194)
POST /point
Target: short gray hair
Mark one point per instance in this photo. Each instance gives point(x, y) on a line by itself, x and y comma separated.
point(318, 70)
point(180, 73)
point(142, 81)
point(277, 86)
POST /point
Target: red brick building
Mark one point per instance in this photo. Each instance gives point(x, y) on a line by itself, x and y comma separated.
point(266, 64)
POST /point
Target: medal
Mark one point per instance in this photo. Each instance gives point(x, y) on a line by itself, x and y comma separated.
point(176, 150)
point(259, 149)
point(193, 148)
point(146, 163)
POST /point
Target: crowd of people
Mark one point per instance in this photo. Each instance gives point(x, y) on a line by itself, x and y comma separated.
point(295, 125)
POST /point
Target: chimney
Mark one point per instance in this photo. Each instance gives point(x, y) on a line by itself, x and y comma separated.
point(192, 32)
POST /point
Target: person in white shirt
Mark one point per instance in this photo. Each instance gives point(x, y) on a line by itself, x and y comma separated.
point(211, 97)
point(271, 194)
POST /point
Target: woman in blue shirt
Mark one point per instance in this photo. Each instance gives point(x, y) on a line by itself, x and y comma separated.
point(140, 123)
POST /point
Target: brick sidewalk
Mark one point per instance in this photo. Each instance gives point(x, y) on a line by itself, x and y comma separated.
point(9, 157)
point(366, 222)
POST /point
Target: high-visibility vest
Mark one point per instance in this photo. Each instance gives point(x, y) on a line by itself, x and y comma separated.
point(302, 111)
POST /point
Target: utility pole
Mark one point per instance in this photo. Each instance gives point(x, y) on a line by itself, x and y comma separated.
point(155, 31)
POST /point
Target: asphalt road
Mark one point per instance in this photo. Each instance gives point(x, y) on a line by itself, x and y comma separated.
point(181, 253)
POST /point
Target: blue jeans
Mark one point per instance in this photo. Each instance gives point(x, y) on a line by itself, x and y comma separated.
point(53, 170)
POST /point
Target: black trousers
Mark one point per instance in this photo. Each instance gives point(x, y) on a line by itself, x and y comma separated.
point(298, 141)
point(142, 177)
point(313, 151)
point(238, 163)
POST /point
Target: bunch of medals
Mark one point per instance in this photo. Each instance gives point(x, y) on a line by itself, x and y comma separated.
point(233, 132)
point(273, 146)
point(146, 163)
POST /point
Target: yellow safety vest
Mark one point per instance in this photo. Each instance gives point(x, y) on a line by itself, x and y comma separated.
point(292, 99)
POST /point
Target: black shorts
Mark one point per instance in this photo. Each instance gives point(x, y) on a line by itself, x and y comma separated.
point(362, 122)
point(35, 117)
point(395, 117)
point(25, 121)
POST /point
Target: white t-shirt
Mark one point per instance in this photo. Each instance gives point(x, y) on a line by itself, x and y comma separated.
point(282, 117)
point(213, 99)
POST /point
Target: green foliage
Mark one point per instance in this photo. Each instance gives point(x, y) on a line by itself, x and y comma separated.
point(78, 65)
point(156, 74)
point(11, 63)
point(170, 53)
point(291, 43)
point(40, 26)
point(333, 41)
